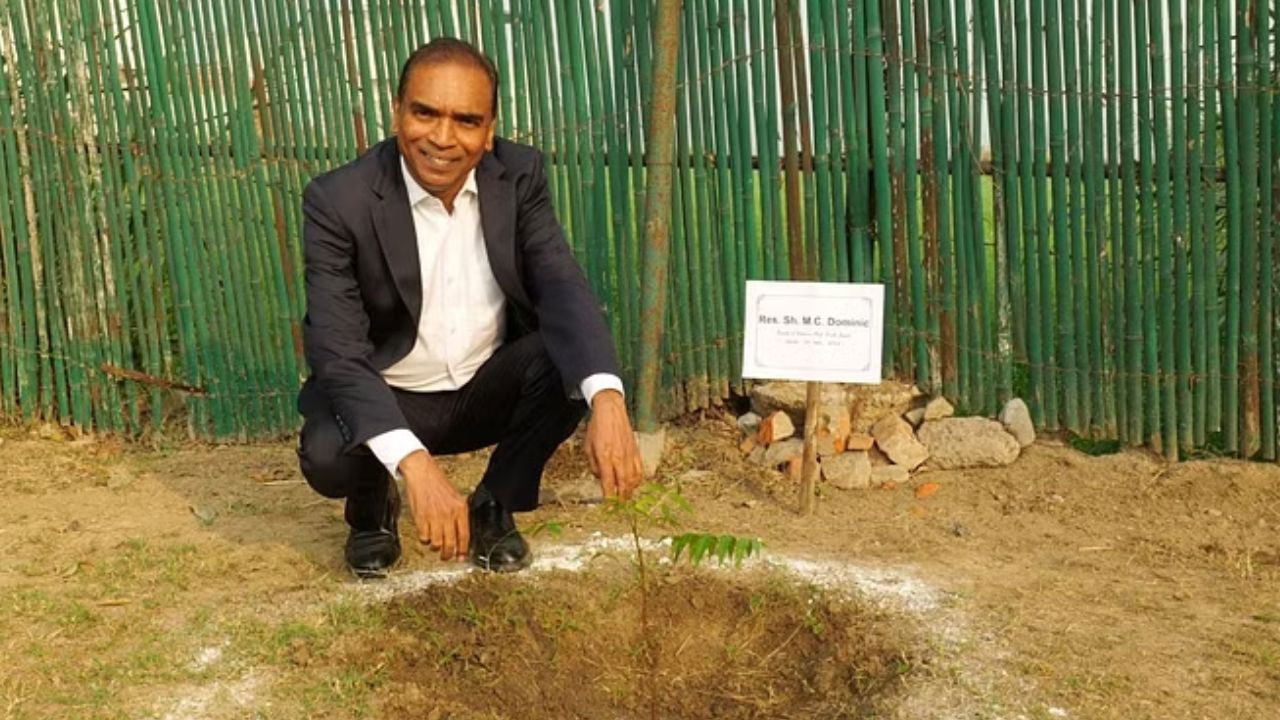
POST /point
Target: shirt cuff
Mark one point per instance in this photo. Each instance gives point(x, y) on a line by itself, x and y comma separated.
point(600, 381)
point(393, 446)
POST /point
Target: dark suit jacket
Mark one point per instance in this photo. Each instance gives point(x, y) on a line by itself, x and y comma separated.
point(364, 290)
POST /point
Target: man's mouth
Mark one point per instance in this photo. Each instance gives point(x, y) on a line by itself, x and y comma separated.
point(438, 162)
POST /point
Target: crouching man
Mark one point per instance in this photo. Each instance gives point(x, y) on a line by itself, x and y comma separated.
point(445, 313)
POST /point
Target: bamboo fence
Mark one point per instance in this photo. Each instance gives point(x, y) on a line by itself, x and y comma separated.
point(1070, 201)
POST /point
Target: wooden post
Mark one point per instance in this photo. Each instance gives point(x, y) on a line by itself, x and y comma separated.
point(809, 472)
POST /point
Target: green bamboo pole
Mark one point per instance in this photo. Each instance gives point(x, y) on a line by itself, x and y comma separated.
point(1082, 296)
point(943, 92)
point(1044, 241)
point(840, 82)
point(826, 266)
point(797, 263)
point(1103, 390)
point(1128, 212)
point(1231, 146)
point(704, 185)
point(740, 133)
point(764, 94)
point(1182, 326)
point(914, 74)
point(900, 285)
point(1214, 376)
point(1065, 294)
point(1247, 98)
point(862, 256)
point(884, 208)
point(715, 56)
point(961, 206)
point(1011, 295)
point(694, 298)
point(1266, 90)
point(1003, 138)
point(1147, 236)
point(1029, 272)
point(1117, 162)
point(1163, 245)
point(1197, 238)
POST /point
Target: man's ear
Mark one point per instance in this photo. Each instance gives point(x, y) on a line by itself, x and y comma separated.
point(488, 142)
point(395, 116)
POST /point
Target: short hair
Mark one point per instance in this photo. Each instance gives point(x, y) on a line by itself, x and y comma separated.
point(449, 49)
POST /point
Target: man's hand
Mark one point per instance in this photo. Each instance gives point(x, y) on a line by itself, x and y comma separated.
point(439, 512)
point(611, 446)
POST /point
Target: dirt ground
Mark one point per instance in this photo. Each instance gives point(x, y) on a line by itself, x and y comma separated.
point(174, 580)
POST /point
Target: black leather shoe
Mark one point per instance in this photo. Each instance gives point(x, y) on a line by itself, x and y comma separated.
point(373, 545)
point(496, 545)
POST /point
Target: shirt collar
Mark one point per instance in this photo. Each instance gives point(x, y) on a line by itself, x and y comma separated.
point(417, 194)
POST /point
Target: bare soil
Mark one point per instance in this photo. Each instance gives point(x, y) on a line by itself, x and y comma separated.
point(187, 581)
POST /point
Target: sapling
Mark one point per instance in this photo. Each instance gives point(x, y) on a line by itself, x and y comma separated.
point(657, 505)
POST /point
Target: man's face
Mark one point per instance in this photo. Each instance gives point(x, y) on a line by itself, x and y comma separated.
point(444, 125)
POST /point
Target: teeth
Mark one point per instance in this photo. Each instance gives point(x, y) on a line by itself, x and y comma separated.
point(438, 162)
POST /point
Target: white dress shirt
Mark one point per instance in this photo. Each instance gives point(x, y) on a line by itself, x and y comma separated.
point(462, 319)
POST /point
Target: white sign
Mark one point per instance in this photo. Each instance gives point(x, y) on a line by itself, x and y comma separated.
point(825, 332)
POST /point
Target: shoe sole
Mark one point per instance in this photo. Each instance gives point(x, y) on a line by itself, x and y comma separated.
point(481, 563)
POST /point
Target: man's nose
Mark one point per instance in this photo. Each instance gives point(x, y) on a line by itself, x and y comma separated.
point(441, 133)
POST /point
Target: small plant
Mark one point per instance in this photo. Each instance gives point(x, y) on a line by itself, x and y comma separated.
point(656, 505)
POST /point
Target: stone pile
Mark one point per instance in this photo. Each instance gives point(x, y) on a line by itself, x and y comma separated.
point(877, 435)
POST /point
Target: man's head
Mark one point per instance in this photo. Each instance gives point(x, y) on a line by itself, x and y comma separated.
point(445, 106)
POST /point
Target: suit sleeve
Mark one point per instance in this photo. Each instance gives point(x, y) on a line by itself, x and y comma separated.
point(336, 330)
point(569, 316)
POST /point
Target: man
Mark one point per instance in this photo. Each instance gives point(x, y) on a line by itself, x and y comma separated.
point(445, 313)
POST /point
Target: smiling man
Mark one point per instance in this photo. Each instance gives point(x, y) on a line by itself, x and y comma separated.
point(445, 313)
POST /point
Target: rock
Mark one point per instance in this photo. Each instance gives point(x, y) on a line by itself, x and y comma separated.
point(833, 433)
point(891, 474)
point(968, 442)
point(1016, 419)
point(789, 397)
point(859, 441)
point(848, 471)
point(749, 423)
point(894, 437)
point(869, 404)
point(747, 445)
point(581, 492)
point(782, 452)
point(938, 408)
point(696, 476)
point(795, 469)
point(756, 455)
point(651, 446)
point(915, 416)
point(829, 444)
point(774, 427)
point(927, 490)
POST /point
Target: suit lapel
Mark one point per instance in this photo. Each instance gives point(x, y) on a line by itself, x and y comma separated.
point(497, 220)
point(393, 223)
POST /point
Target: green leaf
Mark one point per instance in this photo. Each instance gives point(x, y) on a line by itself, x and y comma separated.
point(724, 547)
point(700, 547)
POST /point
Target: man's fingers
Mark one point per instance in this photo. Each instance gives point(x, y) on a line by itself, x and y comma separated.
point(450, 541)
point(464, 533)
point(608, 480)
point(437, 535)
point(591, 458)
